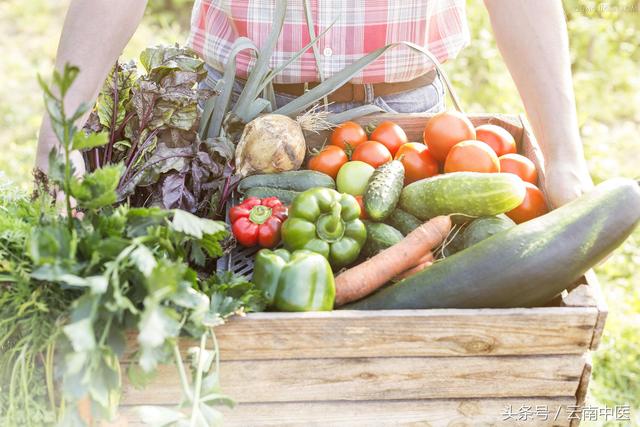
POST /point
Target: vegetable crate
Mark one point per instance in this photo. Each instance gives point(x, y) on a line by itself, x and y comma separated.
point(430, 367)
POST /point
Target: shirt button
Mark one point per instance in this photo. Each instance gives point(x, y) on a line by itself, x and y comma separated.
point(327, 51)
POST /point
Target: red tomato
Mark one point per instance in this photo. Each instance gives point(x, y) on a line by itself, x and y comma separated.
point(417, 161)
point(373, 153)
point(390, 135)
point(446, 129)
point(531, 207)
point(499, 139)
point(328, 161)
point(519, 165)
point(363, 213)
point(471, 156)
point(348, 135)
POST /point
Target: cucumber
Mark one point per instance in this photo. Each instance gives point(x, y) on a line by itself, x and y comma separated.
point(471, 194)
point(403, 221)
point(292, 180)
point(526, 265)
point(380, 236)
point(455, 241)
point(383, 191)
point(485, 227)
point(285, 196)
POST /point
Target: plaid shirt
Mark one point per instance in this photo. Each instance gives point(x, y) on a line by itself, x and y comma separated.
point(362, 27)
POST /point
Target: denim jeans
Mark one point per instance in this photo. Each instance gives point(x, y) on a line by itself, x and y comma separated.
point(426, 99)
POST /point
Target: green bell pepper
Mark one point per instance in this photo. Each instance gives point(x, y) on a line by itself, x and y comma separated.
point(327, 222)
point(298, 281)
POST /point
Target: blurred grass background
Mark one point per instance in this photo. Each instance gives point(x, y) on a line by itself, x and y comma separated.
point(605, 48)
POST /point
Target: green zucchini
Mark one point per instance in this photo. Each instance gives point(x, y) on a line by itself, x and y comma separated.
point(526, 265)
point(403, 221)
point(383, 190)
point(380, 236)
point(470, 194)
point(291, 180)
point(485, 227)
point(285, 196)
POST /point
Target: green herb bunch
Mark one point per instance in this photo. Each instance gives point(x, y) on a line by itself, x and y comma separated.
point(70, 288)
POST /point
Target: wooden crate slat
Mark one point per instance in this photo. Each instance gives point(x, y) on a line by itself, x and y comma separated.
point(601, 305)
point(401, 333)
point(434, 413)
point(408, 333)
point(390, 378)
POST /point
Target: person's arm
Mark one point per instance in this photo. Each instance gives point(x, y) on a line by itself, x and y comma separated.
point(93, 36)
point(532, 37)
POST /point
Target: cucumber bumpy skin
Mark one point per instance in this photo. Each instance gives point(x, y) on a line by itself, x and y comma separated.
point(471, 194)
point(383, 191)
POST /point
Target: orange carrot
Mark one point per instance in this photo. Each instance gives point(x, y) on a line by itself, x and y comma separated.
point(365, 278)
point(425, 262)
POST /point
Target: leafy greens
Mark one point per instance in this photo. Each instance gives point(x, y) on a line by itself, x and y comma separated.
point(70, 287)
point(152, 122)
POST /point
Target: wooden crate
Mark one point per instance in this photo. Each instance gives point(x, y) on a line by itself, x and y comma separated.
point(437, 367)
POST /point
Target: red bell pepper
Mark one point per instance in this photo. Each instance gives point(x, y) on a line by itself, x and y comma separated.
point(258, 221)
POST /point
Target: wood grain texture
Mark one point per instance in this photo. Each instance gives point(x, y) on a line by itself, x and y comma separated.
point(361, 379)
point(601, 305)
point(583, 385)
point(589, 294)
point(434, 413)
point(580, 296)
point(402, 333)
point(446, 332)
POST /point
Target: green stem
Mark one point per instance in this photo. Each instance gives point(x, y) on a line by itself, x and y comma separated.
point(105, 332)
point(181, 372)
point(259, 214)
point(48, 370)
point(330, 226)
point(336, 210)
point(62, 409)
point(12, 389)
point(198, 385)
point(24, 384)
point(67, 165)
point(216, 349)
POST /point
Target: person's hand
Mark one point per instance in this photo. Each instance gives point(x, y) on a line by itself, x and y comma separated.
point(566, 181)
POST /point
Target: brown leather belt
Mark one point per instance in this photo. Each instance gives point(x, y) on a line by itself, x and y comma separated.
point(356, 92)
